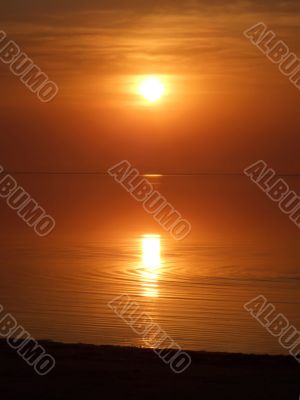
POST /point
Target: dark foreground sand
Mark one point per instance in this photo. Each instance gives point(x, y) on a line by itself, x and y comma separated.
point(104, 372)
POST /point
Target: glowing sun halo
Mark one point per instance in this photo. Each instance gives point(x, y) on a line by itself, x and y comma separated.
point(151, 89)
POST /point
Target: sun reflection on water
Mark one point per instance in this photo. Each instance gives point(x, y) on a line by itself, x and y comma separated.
point(151, 263)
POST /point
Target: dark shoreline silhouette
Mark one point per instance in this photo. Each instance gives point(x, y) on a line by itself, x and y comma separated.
point(110, 372)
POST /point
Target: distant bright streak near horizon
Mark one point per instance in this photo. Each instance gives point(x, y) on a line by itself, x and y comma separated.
point(152, 175)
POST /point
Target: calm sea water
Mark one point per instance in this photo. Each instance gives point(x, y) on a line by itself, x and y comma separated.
point(240, 246)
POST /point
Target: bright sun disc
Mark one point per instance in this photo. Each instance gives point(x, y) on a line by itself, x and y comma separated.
point(151, 89)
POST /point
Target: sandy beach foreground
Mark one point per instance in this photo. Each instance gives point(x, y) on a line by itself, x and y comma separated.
point(108, 372)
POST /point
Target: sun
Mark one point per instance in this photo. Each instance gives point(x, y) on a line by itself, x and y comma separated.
point(151, 89)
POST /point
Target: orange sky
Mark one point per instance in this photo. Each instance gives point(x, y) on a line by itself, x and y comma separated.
point(226, 103)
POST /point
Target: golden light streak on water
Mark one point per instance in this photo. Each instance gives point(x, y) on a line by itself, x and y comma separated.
point(151, 263)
